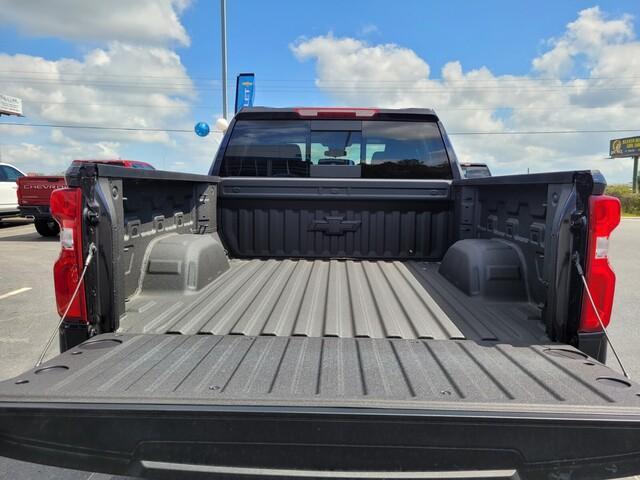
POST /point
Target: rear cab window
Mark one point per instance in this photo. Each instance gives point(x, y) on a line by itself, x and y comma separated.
point(399, 149)
point(9, 174)
point(478, 170)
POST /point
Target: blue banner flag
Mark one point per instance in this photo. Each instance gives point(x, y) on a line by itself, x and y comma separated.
point(245, 90)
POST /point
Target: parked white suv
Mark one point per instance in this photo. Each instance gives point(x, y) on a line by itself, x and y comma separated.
point(9, 190)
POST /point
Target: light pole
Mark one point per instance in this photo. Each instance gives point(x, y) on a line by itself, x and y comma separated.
point(223, 29)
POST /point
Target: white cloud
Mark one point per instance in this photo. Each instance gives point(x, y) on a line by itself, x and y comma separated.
point(586, 80)
point(134, 80)
point(101, 88)
point(134, 21)
point(589, 35)
point(368, 29)
point(121, 85)
point(365, 64)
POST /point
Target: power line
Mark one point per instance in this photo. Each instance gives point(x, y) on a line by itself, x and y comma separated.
point(100, 127)
point(439, 109)
point(502, 78)
point(443, 88)
point(127, 105)
point(499, 84)
point(116, 75)
point(185, 130)
point(547, 132)
point(106, 84)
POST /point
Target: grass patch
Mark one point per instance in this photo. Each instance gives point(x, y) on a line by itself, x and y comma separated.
point(630, 201)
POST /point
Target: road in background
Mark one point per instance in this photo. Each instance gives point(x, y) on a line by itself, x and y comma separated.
point(624, 254)
point(27, 317)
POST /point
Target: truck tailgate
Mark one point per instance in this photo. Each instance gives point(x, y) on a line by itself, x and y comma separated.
point(35, 190)
point(161, 405)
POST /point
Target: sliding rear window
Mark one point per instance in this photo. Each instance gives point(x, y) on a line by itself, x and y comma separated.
point(336, 148)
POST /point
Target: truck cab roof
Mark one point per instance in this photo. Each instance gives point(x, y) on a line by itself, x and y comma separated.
point(360, 113)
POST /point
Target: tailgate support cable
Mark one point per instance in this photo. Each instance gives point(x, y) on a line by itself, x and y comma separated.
point(576, 261)
point(92, 251)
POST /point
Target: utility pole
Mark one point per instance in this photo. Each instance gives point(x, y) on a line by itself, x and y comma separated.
point(223, 29)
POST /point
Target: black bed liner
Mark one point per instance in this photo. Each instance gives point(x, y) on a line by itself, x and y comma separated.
point(334, 298)
point(362, 372)
point(157, 405)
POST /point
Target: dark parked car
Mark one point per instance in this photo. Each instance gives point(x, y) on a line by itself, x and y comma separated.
point(475, 170)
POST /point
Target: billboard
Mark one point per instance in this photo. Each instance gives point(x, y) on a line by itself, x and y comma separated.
point(245, 90)
point(624, 147)
point(10, 105)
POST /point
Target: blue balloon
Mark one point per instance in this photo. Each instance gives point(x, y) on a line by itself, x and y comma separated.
point(202, 129)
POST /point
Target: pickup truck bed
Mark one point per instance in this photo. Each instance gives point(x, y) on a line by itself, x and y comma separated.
point(334, 298)
point(295, 316)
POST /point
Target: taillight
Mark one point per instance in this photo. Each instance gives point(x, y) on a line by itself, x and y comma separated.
point(604, 217)
point(66, 208)
point(336, 112)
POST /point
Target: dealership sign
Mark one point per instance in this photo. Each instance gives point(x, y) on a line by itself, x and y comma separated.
point(10, 105)
point(627, 147)
point(245, 90)
point(624, 147)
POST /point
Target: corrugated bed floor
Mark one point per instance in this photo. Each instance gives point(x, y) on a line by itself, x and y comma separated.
point(332, 298)
point(323, 371)
point(476, 317)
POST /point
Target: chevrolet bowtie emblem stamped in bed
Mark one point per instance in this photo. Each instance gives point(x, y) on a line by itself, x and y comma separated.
point(334, 226)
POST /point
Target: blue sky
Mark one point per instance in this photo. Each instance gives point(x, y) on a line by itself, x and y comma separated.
point(492, 41)
point(500, 34)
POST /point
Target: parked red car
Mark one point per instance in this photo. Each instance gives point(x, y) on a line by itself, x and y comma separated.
point(34, 192)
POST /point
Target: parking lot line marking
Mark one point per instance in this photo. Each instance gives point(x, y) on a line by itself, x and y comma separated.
point(15, 292)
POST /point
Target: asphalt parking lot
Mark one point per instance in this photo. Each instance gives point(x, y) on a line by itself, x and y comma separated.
point(28, 314)
point(27, 318)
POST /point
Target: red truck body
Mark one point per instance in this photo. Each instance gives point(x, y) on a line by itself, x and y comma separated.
point(35, 190)
point(34, 194)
